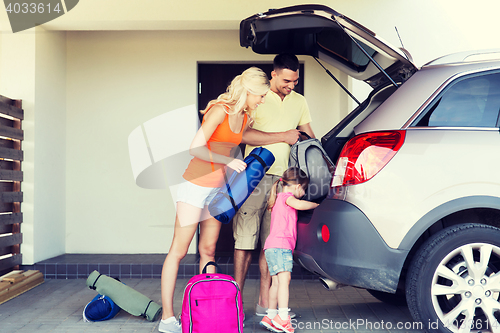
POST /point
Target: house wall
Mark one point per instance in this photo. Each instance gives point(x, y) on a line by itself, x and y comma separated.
point(33, 68)
point(116, 81)
point(49, 147)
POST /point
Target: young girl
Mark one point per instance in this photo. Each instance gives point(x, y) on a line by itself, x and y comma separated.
point(280, 244)
point(225, 119)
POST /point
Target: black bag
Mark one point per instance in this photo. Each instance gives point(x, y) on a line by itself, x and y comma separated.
point(310, 157)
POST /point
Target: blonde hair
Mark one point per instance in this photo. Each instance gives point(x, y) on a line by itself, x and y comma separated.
point(253, 80)
point(292, 176)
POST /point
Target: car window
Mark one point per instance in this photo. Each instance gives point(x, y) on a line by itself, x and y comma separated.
point(338, 45)
point(470, 102)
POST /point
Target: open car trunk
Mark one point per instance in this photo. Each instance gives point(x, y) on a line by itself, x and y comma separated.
point(328, 36)
point(323, 33)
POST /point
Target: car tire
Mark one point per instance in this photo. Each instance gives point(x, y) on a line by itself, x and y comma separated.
point(398, 299)
point(454, 282)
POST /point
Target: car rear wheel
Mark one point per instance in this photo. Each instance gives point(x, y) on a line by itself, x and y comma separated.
point(453, 283)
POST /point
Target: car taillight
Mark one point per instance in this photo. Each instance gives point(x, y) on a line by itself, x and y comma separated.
point(365, 155)
point(325, 233)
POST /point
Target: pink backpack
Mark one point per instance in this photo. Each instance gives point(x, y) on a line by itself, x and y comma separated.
point(212, 303)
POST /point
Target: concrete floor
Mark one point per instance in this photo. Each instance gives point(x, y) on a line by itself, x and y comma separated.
point(57, 305)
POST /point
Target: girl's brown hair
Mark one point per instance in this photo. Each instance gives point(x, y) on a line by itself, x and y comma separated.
point(292, 176)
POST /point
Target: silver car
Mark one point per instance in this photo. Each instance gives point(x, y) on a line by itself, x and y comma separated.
point(413, 212)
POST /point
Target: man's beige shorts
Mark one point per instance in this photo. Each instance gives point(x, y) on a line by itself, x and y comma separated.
point(253, 218)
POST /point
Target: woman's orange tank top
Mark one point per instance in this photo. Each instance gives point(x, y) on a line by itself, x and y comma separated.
point(210, 174)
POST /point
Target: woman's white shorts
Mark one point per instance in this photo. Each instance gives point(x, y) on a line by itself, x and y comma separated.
point(195, 195)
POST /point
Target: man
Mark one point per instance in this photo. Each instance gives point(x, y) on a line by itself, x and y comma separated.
point(275, 128)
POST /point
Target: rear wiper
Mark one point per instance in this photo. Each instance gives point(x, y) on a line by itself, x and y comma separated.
point(336, 80)
point(368, 55)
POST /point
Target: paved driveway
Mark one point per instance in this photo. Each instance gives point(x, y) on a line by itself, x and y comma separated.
point(57, 305)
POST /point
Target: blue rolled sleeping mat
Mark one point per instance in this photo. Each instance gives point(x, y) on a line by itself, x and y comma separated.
point(125, 297)
point(100, 308)
point(239, 186)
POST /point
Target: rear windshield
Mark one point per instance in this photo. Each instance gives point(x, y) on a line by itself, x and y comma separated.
point(473, 101)
point(337, 44)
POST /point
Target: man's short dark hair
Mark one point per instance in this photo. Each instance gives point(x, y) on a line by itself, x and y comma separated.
point(286, 61)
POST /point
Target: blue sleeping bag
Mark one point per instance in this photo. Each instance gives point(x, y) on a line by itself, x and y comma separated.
point(100, 308)
point(239, 186)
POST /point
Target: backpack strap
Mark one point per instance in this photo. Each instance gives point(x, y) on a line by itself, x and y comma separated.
point(229, 194)
point(230, 198)
point(93, 287)
point(144, 315)
point(305, 134)
point(301, 157)
point(211, 263)
point(261, 161)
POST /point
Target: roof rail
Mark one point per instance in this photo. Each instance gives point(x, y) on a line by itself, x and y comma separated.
point(466, 56)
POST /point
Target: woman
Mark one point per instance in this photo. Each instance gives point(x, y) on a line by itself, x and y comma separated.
point(224, 121)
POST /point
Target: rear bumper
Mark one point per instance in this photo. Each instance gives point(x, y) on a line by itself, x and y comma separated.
point(354, 255)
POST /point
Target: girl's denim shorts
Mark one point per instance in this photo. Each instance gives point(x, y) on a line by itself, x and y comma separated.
point(279, 260)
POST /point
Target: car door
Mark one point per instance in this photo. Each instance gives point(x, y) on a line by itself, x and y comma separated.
point(450, 155)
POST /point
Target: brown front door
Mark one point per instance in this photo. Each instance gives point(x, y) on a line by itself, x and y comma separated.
point(213, 79)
